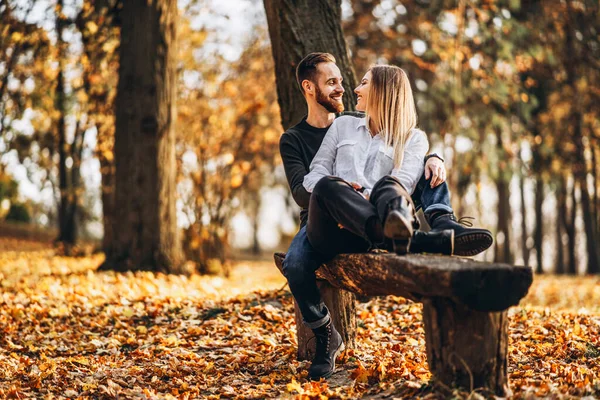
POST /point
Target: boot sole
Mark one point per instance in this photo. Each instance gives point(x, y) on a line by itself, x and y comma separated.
point(471, 244)
point(400, 230)
point(335, 356)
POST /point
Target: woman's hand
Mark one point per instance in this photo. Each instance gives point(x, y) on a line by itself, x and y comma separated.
point(435, 169)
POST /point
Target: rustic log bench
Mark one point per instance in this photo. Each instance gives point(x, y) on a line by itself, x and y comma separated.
point(465, 305)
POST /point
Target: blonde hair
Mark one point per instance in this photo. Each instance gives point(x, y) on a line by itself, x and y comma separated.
point(391, 108)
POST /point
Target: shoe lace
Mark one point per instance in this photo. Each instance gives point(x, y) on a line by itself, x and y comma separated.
point(464, 221)
point(322, 345)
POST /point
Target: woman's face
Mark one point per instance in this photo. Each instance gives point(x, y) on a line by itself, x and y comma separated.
point(362, 92)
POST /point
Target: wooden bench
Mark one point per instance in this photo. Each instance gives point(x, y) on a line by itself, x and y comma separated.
point(465, 305)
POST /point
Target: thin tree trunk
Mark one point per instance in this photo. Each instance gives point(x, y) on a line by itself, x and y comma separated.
point(569, 226)
point(503, 253)
point(561, 199)
point(524, 233)
point(539, 224)
point(145, 233)
point(299, 27)
point(100, 100)
point(595, 204)
point(67, 205)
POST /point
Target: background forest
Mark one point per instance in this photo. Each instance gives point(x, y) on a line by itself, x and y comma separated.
point(142, 193)
point(506, 90)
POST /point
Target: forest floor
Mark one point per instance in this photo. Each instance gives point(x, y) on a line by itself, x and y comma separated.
point(67, 331)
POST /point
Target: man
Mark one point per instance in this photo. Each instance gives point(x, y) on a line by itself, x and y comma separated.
point(320, 81)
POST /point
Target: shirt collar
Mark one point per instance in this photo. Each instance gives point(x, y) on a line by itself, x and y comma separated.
point(362, 122)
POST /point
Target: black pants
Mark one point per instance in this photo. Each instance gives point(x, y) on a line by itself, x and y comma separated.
point(335, 204)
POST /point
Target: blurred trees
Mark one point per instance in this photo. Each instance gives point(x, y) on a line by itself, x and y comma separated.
point(228, 141)
point(508, 89)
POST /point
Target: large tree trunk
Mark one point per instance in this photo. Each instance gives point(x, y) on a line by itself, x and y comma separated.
point(145, 234)
point(539, 223)
point(299, 27)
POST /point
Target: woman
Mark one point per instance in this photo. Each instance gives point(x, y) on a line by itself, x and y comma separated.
point(362, 176)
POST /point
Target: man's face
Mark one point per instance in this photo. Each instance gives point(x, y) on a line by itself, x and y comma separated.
point(328, 88)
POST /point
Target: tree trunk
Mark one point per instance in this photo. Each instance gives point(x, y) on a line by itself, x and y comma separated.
point(145, 233)
point(342, 306)
point(539, 224)
point(595, 203)
point(67, 206)
point(471, 361)
point(561, 213)
point(579, 167)
point(299, 27)
point(502, 251)
point(524, 232)
point(571, 232)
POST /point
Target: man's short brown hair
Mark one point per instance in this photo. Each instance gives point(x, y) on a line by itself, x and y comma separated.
point(307, 68)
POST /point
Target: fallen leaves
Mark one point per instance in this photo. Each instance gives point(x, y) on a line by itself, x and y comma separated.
point(68, 331)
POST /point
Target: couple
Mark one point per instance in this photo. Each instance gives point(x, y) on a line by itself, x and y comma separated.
point(353, 177)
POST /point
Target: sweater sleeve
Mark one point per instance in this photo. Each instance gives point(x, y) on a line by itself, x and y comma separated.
point(295, 169)
point(412, 166)
point(322, 164)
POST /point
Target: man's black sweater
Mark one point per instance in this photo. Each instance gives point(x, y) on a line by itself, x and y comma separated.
point(298, 146)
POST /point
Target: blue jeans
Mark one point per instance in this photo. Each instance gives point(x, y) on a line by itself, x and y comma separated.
point(302, 260)
point(431, 199)
point(299, 266)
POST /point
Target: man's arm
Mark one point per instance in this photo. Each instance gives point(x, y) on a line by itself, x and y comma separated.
point(294, 169)
point(435, 169)
point(322, 163)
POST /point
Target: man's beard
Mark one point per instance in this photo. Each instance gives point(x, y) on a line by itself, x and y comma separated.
point(330, 105)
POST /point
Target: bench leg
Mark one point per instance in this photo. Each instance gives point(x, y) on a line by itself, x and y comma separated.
point(466, 348)
point(342, 307)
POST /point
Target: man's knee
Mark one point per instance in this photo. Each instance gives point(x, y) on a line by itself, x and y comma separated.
point(294, 267)
point(328, 184)
point(388, 181)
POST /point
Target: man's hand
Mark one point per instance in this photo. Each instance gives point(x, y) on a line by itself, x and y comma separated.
point(435, 169)
point(358, 187)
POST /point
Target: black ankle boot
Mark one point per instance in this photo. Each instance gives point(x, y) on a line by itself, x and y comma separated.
point(329, 346)
point(398, 224)
point(468, 241)
point(435, 242)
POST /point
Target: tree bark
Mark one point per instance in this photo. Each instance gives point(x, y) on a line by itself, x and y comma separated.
point(145, 233)
point(539, 223)
point(474, 360)
point(342, 307)
point(299, 27)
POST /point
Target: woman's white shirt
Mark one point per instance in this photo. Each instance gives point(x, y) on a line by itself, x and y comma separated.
point(350, 152)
